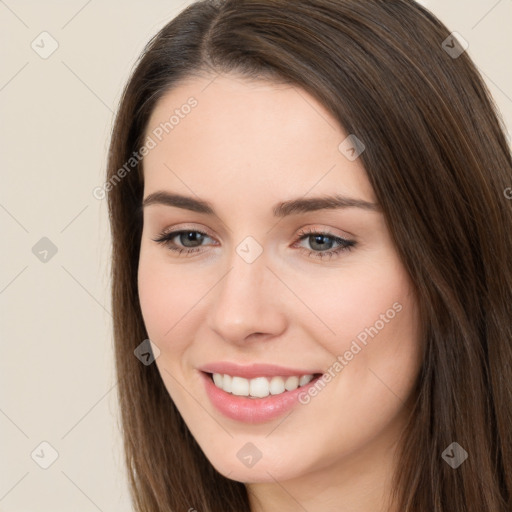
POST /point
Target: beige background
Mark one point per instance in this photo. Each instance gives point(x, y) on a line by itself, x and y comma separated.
point(56, 370)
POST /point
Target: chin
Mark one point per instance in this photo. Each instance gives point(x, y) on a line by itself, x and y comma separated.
point(262, 471)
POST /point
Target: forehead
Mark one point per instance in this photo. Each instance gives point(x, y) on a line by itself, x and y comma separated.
point(259, 138)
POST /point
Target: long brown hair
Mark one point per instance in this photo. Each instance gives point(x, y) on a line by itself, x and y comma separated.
point(439, 164)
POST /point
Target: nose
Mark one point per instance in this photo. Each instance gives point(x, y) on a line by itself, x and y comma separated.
point(248, 304)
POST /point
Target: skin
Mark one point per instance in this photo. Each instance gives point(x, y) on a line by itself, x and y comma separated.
point(245, 147)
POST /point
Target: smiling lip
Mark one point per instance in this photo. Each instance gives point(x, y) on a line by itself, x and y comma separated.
point(254, 370)
point(253, 410)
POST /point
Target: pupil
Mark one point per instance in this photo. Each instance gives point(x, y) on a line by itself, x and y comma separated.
point(191, 236)
point(320, 240)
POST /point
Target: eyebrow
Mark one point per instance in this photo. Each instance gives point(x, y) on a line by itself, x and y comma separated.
point(283, 209)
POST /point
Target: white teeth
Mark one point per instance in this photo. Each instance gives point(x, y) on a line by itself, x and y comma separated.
point(218, 378)
point(291, 383)
point(227, 383)
point(305, 379)
point(259, 387)
point(240, 386)
point(277, 385)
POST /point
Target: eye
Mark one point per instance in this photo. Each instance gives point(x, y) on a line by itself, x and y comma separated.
point(190, 239)
point(322, 242)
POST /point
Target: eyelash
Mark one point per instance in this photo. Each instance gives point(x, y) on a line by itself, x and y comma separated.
point(345, 244)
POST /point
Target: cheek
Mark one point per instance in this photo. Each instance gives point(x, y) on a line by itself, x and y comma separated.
point(374, 324)
point(356, 300)
point(152, 297)
point(172, 300)
point(164, 295)
point(379, 346)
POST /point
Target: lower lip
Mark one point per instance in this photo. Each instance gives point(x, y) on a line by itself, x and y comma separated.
point(253, 410)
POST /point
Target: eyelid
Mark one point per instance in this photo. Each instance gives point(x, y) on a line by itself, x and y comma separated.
point(185, 227)
point(319, 228)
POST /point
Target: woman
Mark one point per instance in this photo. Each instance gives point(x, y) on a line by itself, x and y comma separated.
point(310, 224)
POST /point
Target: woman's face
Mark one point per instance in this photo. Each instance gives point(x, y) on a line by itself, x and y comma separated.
point(270, 284)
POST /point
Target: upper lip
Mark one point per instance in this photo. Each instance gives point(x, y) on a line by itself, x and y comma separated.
point(254, 370)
